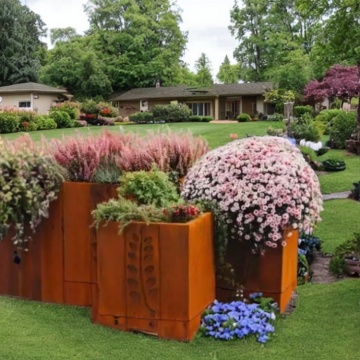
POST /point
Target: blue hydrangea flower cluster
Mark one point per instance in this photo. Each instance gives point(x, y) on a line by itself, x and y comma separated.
point(228, 321)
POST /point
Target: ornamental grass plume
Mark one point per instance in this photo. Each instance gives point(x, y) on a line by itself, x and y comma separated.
point(175, 151)
point(262, 186)
point(82, 156)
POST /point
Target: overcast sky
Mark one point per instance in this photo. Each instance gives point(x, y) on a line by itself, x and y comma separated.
point(206, 21)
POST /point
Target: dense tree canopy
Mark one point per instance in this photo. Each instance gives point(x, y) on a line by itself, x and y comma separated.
point(228, 73)
point(339, 82)
point(76, 66)
point(203, 71)
point(20, 43)
point(139, 41)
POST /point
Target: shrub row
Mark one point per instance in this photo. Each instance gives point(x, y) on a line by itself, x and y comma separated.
point(168, 114)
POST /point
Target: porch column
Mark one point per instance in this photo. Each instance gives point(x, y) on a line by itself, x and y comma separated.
point(216, 112)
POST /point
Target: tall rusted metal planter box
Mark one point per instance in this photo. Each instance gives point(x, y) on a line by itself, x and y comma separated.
point(155, 278)
point(59, 265)
point(274, 273)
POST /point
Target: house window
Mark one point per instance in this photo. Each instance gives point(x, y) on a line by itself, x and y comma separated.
point(24, 104)
point(200, 109)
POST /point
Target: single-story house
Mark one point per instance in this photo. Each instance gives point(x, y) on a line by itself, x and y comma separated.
point(31, 96)
point(221, 101)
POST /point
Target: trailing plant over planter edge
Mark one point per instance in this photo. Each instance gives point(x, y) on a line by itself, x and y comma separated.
point(29, 181)
point(147, 196)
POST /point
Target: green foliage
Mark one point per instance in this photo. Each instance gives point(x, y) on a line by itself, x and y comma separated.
point(29, 181)
point(89, 107)
point(203, 71)
point(349, 247)
point(137, 43)
point(324, 118)
point(125, 211)
point(45, 122)
point(148, 187)
point(278, 97)
point(304, 128)
point(9, 123)
point(220, 239)
point(334, 165)
point(171, 113)
point(229, 74)
point(107, 110)
point(27, 126)
point(355, 192)
point(61, 118)
point(76, 65)
point(243, 118)
point(309, 154)
point(299, 111)
point(303, 266)
point(276, 131)
point(142, 117)
point(294, 71)
point(197, 118)
point(342, 126)
point(72, 108)
point(20, 43)
point(107, 173)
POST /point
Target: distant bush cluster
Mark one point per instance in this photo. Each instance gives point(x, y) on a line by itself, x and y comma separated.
point(168, 114)
point(65, 114)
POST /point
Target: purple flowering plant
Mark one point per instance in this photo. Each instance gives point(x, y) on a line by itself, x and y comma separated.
point(262, 185)
point(237, 320)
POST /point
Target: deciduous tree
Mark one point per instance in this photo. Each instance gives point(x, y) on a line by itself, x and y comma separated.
point(139, 41)
point(20, 43)
point(203, 71)
point(228, 73)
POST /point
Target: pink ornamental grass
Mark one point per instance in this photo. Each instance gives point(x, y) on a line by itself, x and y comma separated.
point(175, 151)
point(82, 156)
point(262, 185)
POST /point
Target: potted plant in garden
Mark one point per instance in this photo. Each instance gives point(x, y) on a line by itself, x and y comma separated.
point(94, 164)
point(154, 259)
point(267, 193)
point(29, 184)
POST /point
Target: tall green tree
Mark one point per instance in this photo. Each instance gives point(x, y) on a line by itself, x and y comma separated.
point(21, 48)
point(339, 40)
point(139, 41)
point(268, 31)
point(75, 65)
point(293, 73)
point(62, 34)
point(228, 73)
point(203, 71)
point(248, 25)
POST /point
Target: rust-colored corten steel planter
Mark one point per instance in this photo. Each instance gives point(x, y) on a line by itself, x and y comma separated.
point(155, 278)
point(38, 275)
point(79, 200)
point(59, 265)
point(274, 273)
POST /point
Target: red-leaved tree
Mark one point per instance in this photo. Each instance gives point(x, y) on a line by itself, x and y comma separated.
point(339, 81)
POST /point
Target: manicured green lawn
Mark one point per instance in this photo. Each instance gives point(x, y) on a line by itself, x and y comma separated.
point(341, 180)
point(216, 134)
point(340, 219)
point(324, 325)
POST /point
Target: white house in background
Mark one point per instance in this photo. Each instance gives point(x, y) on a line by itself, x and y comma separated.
point(31, 96)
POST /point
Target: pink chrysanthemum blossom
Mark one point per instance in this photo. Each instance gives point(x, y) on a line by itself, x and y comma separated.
point(262, 184)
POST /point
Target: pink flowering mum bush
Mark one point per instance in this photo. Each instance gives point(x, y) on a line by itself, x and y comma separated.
point(262, 186)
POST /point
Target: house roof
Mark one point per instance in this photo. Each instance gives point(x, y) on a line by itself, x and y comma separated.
point(31, 87)
point(183, 91)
